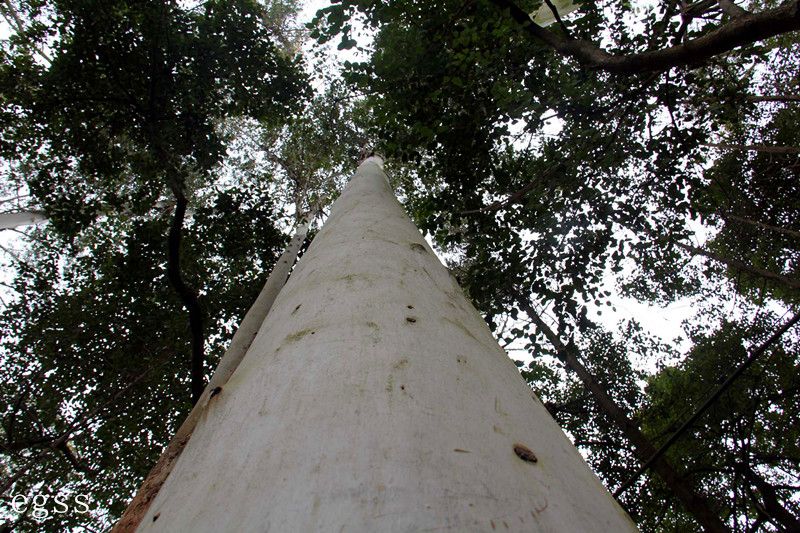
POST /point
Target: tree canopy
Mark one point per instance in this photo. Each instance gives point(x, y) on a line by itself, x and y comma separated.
point(629, 150)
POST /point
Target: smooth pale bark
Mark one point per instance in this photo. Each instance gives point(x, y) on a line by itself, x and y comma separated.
point(544, 16)
point(375, 398)
point(29, 218)
point(21, 218)
point(234, 355)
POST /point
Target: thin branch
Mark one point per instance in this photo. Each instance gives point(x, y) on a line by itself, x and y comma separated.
point(778, 229)
point(573, 406)
point(517, 195)
point(771, 502)
point(733, 263)
point(18, 403)
point(19, 260)
point(775, 98)
point(693, 502)
point(14, 199)
point(73, 460)
point(557, 16)
point(699, 9)
point(755, 148)
point(70, 431)
point(12, 17)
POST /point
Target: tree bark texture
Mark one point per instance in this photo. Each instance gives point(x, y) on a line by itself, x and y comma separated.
point(21, 218)
point(375, 398)
point(233, 356)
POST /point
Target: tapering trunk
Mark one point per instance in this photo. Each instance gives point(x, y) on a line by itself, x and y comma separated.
point(246, 332)
point(374, 398)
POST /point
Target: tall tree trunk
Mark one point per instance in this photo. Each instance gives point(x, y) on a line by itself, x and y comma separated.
point(375, 398)
point(234, 355)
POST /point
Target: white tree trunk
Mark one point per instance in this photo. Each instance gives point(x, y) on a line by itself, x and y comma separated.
point(21, 218)
point(245, 333)
point(375, 398)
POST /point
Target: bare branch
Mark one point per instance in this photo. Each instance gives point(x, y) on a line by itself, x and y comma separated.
point(770, 227)
point(738, 265)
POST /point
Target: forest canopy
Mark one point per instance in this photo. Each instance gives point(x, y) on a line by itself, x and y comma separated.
point(641, 151)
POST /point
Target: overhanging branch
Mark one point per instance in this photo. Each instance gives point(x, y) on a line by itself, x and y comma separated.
point(739, 31)
point(738, 265)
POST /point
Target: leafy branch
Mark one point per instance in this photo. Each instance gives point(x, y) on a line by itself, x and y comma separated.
point(713, 397)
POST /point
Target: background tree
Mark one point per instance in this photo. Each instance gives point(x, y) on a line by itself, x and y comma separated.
point(121, 299)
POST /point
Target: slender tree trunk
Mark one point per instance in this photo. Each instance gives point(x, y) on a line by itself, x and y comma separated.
point(21, 218)
point(375, 398)
point(240, 343)
point(772, 504)
point(12, 18)
point(693, 502)
point(713, 398)
point(188, 296)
